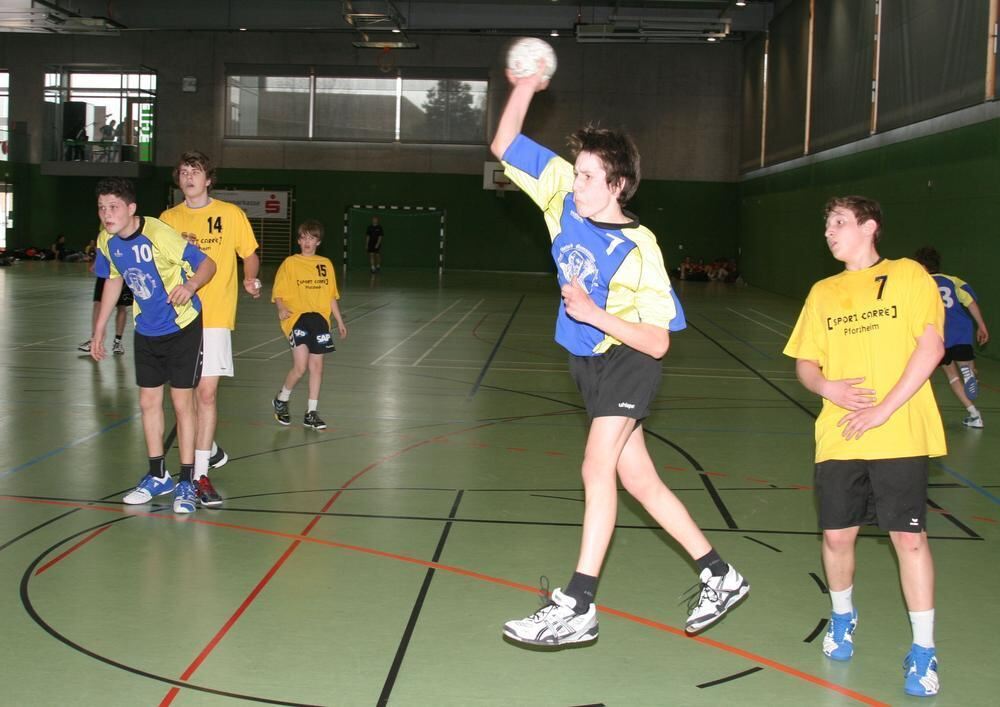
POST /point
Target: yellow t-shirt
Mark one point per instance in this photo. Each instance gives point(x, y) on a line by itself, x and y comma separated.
point(305, 283)
point(865, 324)
point(223, 232)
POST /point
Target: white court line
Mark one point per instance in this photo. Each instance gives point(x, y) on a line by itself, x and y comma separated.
point(550, 371)
point(771, 318)
point(441, 314)
point(779, 333)
point(447, 333)
point(36, 343)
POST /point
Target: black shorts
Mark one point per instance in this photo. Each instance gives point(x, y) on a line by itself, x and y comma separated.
point(889, 493)
point(124, 299)
point(961, 352)
point(172, 358)
point(312, 331)
point(621, 382)
point(374, 248)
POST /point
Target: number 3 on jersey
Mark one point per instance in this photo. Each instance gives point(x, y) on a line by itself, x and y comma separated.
point(215, 224)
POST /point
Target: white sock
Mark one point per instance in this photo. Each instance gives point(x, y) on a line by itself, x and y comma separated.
point(284, 395)
point(313, 405)
point(842, 601)
point(973, 411)
point(923, 627)
point(201, 457)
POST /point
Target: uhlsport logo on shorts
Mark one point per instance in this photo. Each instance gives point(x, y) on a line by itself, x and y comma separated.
point(627, 406)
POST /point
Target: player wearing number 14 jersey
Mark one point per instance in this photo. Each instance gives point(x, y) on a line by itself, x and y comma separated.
point(221, 230)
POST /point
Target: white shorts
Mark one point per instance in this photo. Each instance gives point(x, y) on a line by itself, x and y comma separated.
point(218, 353)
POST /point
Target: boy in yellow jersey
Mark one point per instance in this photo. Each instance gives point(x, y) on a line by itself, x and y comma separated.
point(614, 320)
point(867, 341)
point(223, 232)
point(305, 292)
point(163, 271)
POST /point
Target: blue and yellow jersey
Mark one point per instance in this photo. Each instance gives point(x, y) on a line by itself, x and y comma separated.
point(956, 294)
point(223, 232)
point(619, 265)
point(152, 261)
point(865, 324)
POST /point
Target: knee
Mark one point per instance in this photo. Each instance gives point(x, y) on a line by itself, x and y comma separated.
point(908, 542)
point(639, 486)
point(206, 397)
point(838, 541)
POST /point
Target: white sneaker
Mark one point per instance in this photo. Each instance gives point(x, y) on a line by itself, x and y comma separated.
point(84, 346)
point(975, 421)
point(118, 348)
point(555, 624)
point(716, 596)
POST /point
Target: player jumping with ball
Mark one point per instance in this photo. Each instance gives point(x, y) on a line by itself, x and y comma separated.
point(615, 318)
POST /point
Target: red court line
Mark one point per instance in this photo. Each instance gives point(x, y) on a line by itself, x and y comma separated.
point(71, 550)
point(753, 657)
point(987, 520)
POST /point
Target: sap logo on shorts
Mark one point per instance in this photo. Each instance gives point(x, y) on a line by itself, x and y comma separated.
point(299, 332)
point(627, 406)
point(141, 284)
point(323, 339)
point(576, 261)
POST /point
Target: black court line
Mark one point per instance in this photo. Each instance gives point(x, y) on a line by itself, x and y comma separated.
point(820, 627)
point(734, 676)
point(822, 586)
point(723, 511)
point(493, 353)
point(753, 370)
point(761, 542)
point(561, 498)
point(168, 442)
point(404, 642)
point(955, 521)
point(37, 618)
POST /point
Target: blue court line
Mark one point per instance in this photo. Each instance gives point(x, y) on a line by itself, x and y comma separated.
point(971, 484)
point(59, 450)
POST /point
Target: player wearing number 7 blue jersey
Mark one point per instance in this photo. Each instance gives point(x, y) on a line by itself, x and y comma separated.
point(164, 272)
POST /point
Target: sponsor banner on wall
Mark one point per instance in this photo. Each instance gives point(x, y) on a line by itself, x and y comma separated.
point(256, 203)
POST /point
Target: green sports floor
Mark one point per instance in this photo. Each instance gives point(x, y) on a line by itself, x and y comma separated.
point(374, 562)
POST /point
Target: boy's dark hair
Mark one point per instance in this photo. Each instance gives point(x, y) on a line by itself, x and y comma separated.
point(116, 186)
point(194, 158)
point(311, 227)
point(929, 258)
point(617, 153)
point(863, 208)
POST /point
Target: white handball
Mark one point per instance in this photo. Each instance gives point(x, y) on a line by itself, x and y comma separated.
point(524, 55)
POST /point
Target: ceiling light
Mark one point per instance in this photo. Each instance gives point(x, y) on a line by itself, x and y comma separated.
point(554, 33)
point(741, 3)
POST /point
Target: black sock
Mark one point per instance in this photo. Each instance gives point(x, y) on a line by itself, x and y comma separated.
point(118, 337)
point(713, 563)
point(187, 472)
point(582, 587)
point(157, 467)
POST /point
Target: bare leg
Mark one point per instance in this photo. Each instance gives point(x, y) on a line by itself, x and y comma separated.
point(206, 397)
point(151, 403)
point(605, 442)
point(951, 372)
point(187, 422)
point(315, 375)
point(639, 477)
point(300, 358)
point(838, 557)
point(916, 569)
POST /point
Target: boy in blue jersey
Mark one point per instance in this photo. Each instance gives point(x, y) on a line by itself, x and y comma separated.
point(615, 318)
point(960, 309)
point(163, 271)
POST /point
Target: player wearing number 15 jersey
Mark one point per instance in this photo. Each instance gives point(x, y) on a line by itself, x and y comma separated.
point(305, 293)
point(222, 231)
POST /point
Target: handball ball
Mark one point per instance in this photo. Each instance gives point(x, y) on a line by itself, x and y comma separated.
point(524, 54)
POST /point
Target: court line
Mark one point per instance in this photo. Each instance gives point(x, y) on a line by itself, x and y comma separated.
point(767, 316)
point(493, 353)
point(447, 333)
point(782, 334)
point(471, 574)
point(283, 338)
point(968, 482)
point(71, 550)
point(738, 338)
point(69, 445)
point(438, 316)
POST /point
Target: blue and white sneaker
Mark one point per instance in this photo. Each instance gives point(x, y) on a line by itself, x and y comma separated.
point(148, 487)
point(920, 671)
point(186, 498)
point(838, 644)
point(969, 382)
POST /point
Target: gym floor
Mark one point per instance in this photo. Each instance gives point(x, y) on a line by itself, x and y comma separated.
point(374, 562)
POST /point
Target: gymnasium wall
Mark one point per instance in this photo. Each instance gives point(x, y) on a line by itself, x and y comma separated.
point(941, 190)
point(680, 102)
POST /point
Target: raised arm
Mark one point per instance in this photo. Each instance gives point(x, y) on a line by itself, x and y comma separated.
point(512, 118)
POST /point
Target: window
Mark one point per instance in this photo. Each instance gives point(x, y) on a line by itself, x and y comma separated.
point(357, 108)
point(4, 117)
point(101, 115)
